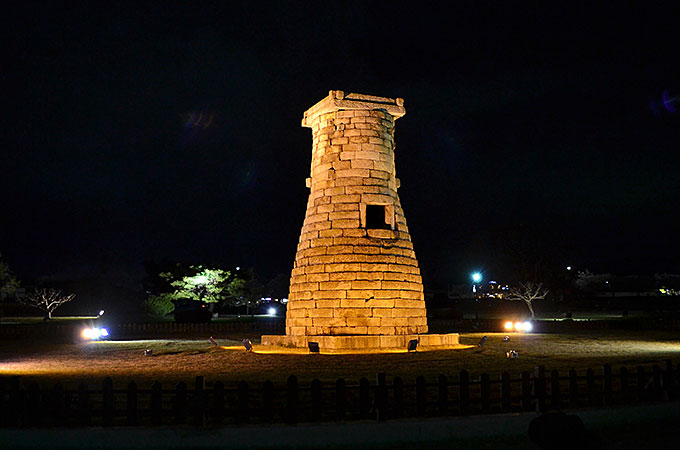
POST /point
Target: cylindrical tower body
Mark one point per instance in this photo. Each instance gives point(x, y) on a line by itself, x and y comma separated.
point(355, 270)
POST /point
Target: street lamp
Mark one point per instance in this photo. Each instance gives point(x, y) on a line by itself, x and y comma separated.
point(476, 278)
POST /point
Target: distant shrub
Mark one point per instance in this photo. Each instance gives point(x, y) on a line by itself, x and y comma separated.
point(159, 305)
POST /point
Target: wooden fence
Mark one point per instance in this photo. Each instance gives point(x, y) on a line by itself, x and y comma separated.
point(216, 404)
point(68, 331)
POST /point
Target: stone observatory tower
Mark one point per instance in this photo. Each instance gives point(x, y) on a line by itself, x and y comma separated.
point(356, 278)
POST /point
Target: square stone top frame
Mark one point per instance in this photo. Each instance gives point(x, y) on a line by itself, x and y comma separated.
point(339, 100)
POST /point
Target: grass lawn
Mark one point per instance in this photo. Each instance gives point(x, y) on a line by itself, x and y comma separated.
point(175, 360)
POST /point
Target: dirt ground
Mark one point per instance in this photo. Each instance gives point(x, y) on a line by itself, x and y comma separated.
point(176, 360)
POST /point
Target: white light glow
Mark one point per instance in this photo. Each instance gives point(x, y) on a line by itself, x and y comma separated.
point(528, 326)
point(508, 325)
point(519, 326)
point(272, 311)
point(104, 332)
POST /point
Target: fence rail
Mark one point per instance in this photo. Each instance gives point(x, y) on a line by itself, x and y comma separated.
point(128, 330)
point(216, 404)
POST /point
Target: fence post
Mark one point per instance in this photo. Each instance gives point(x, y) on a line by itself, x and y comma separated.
point(464, 392)
point(156, 403)
point(623, 383)
point(485, 388)
point(668, 381)
point(292, 390)
point(340, 399)
point(555, 394)
point(421, 396)
point(132, 403)
point(539, 388)
point(267, 412)
point(380, 396)
point(656, 382)
point(83, 405)
point(641, 384)
point(398, 386)
point(443, 397)
point(107, 402)
point(199, 402)
point(607, 384)
point(317, 407)
point(181, 402)
point(217, 406)
point(590, 387)
point(506, 393)
point(573, 389)
point(241, 413)
point(526, 390)
point(57, 405)
point(35, 405)
point(17, 402)
point(364, 398)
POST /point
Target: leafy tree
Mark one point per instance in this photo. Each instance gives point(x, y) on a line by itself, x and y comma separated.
point(589, 282)
point(159, 305)
point(527, 292)
point(8, 282)
point(47, 299)
point(202, 284)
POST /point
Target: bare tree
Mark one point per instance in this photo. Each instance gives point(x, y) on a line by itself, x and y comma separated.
point(527, 292)
point(47, 299)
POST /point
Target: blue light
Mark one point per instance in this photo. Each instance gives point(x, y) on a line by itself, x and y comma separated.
point(476, 277)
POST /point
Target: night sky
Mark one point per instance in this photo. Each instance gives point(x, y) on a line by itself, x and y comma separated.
point(171, 131)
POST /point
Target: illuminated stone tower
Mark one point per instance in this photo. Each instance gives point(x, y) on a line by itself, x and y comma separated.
point(355, 270)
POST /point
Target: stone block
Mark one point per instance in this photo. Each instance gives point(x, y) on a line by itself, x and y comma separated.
point(318, 295)
point(329, 321)
point(330, 233)
point(345, 198)
point(346, 223)
point(362, 284)
point(363, 322)
point(349, 258)
point(341, 276)
point(322, 312)
point(339, 249)
point(335, 285)
point(352, 312)
point(343, 267)
point(328, 303)
point(316, 277)
point(362, 294)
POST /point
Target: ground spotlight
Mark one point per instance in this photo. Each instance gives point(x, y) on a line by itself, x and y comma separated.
point(313, 347)
point(248, 345)
point(527, 326)
point(508, 325)
point(412, 344)
point(272, 311)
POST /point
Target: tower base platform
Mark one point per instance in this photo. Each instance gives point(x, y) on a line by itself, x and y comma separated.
point(364, 342)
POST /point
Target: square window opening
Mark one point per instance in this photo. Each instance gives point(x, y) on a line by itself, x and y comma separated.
point(376, 217)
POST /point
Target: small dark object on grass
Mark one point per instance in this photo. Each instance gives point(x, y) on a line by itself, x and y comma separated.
point(506, 338)
point(148, 352)
point(412, 344)
point(512, 354)
point(213, 342)
point(482, 341)
point(248, 345)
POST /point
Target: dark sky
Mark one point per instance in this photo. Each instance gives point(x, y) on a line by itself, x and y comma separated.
point(140, 131)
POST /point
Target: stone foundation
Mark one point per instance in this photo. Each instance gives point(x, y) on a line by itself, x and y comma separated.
point(332, 343)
